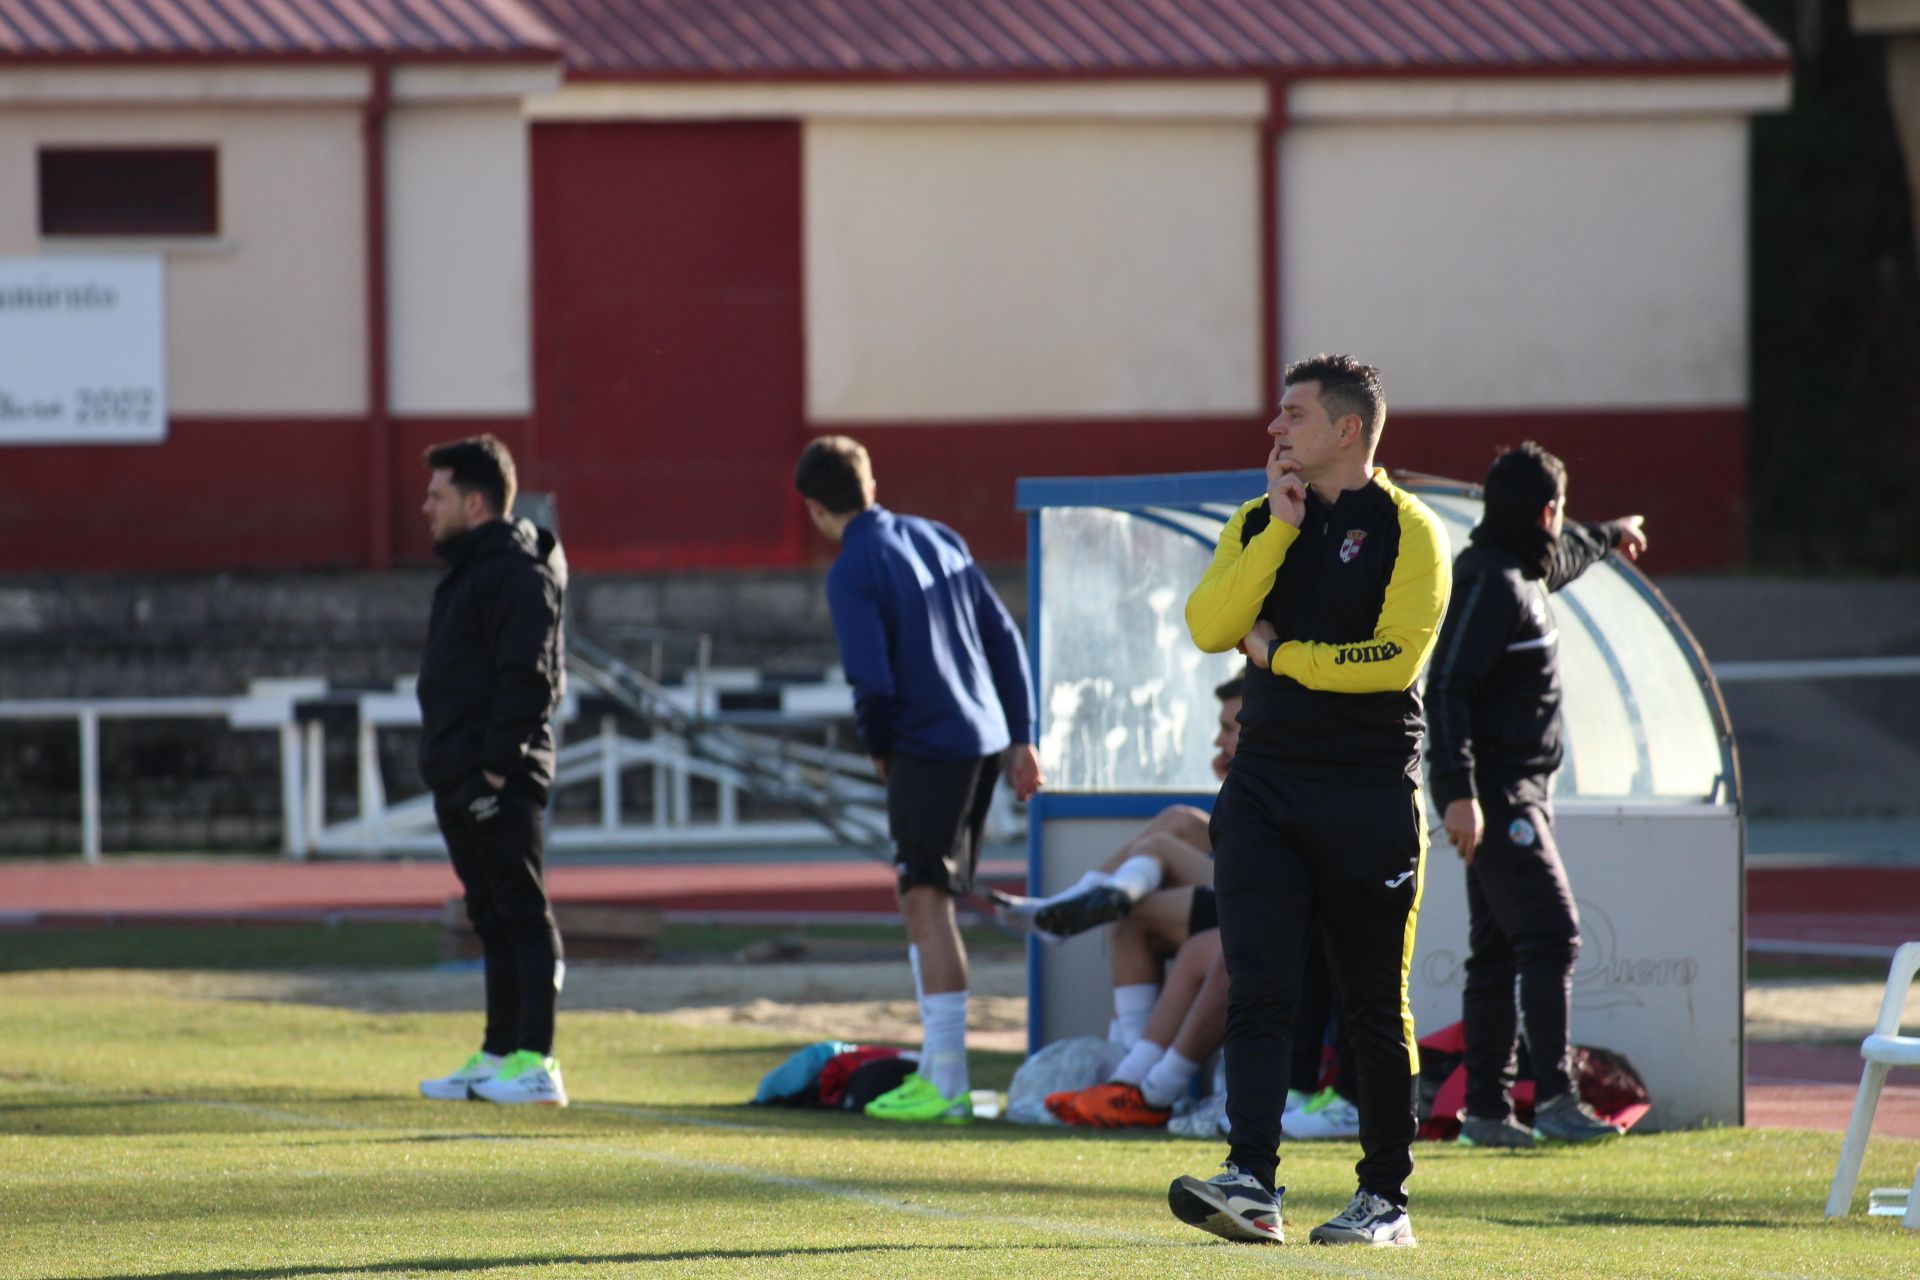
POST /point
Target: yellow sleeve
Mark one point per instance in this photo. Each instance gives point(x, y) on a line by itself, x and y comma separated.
point(1223, 607)
point(1410, 614)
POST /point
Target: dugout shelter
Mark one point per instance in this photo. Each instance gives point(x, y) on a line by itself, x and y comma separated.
point(1647, 806)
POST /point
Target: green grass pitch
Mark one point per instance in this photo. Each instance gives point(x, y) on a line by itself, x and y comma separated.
point(149, 1128)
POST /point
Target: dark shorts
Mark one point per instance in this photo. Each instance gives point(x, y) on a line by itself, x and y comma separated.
point(1204, 913)
point(935, 812)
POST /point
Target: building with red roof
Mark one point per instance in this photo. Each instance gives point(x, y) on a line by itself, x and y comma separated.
point(659, 244)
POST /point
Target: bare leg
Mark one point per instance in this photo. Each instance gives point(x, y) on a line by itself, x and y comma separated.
point(931, 928)
point(1169, 840)
point(1177, 994)
point(1205, 1026)
point(1154, 931)
point(1171, 852)
point(1184, 823)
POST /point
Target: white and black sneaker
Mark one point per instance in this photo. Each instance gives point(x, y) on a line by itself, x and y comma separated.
point(453, 1087)
point(1230, 1204)
point(1367, 1219)
point(523, 1078)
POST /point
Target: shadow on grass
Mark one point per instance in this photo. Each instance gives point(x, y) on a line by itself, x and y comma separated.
point(598, 1259)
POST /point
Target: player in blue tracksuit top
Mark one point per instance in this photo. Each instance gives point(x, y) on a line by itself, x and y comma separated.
point(942, 699)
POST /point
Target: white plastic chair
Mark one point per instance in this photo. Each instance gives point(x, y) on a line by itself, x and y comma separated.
point(1885, 1048)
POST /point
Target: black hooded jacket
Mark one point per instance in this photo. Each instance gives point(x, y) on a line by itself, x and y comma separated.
point(495, 663)
point(1493, 693)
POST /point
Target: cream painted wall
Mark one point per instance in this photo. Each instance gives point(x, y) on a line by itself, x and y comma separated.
point(1522, 264)
point(979, 270)
point(459, 270)
point(268, 318)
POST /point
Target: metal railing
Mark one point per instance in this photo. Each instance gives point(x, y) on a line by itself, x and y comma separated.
point(689, 738)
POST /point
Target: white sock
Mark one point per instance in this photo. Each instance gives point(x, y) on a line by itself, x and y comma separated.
point(943, 1042)
point(1139, 1060)
point(1018, 912)
point(1171, 1077)
point(1138, 876)
point(913, 962)
point(1132, 1006)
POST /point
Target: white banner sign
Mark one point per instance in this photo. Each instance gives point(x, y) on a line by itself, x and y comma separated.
point(82, 351)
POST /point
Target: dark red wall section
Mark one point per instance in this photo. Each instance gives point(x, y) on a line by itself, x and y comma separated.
point(668, 348)
point(963, 474)
point(1686, 471)
point(231, 494)
point(220, 493)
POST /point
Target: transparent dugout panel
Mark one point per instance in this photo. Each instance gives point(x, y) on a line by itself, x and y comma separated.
point(1127, 701)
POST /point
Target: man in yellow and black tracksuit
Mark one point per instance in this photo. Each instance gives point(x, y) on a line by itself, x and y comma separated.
point(1334, 583)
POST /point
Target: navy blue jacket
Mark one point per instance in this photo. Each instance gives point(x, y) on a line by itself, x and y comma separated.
point(937, 667)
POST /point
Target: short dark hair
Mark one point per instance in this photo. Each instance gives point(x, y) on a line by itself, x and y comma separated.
point(1521, 481)
point(834, 471)
point(1346, 386)
point(1232, 689)
point(478, 464)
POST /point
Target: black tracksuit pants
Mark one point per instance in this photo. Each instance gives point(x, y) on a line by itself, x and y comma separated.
point(1317, 1017)
point(1288, 850)
point(1521, 924)
point(498, 844)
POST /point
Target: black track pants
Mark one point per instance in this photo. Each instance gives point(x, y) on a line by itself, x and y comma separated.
point(1288, 850)
point(1521, 924)
point(498, 845)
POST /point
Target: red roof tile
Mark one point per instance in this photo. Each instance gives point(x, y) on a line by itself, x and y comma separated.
point(223, 29)
point(861, 39)
point(987, 38)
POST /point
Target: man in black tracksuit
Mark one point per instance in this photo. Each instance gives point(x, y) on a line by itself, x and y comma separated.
point(1495, 743)
point(1333, 583)
point(490, 681)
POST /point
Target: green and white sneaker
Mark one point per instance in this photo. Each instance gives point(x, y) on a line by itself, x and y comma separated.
point(453, 1088)
point(524, 1078)
point(916, 1101)
point(1325, 1115)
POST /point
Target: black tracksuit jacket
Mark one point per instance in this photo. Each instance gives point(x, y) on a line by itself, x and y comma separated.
point(494, 668)
point(1355, 594)
point(1493, 694)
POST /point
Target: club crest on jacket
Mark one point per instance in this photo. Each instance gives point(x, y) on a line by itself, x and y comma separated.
point(1351, 547)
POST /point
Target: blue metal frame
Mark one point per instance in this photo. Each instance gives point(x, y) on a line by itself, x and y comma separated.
point(1036, 996)
point(1117, 804)
point(1126, 492)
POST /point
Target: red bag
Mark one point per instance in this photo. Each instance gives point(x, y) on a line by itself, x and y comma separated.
point(840, 1069)
point(1606, 1080)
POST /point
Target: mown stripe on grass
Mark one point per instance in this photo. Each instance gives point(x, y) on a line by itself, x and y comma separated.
point(1298, 1259)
